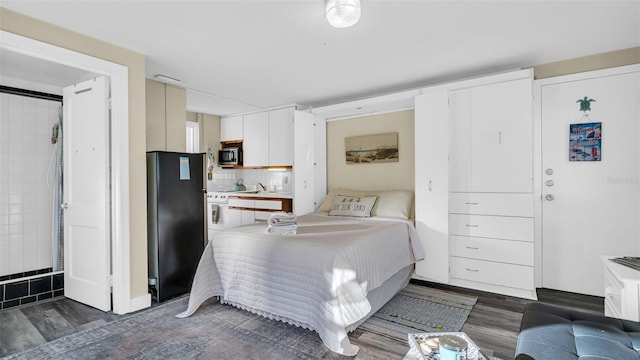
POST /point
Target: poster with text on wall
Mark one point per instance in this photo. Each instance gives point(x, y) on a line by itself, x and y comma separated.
point(585, 142)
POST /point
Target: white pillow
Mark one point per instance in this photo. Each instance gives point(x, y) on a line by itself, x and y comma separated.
point(391, 203)
point(394, 203)
point(359, 206)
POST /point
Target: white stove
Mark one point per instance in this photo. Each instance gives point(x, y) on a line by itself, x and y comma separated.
point(218, 197)
point(217, 211)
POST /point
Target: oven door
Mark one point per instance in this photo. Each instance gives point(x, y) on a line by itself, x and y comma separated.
point(217, 216)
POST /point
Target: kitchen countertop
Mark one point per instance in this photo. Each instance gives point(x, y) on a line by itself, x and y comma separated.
point(262, 194)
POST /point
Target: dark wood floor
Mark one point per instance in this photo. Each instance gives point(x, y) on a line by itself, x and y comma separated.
point(493, 323)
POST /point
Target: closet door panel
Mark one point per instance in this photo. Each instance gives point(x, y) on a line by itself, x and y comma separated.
point(460, 142)
point(501, 145)
point(281, 148)
point(432, 183)
point(256, 139)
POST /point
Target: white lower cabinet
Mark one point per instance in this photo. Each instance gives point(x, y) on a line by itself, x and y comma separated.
point(488, 250)
point(241, 211)
point(505, 204)
point(506, 251)
point(239, 217)
point(492, 272)
point(245, 210)
point(498, 227)
point(265, 208)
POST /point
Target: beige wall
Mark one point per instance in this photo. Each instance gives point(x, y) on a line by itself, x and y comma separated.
point(588, 63)
point(209, 128)
point(176, 118)
point(156, 130)
point(209, 133)
point(16, 23)
point(166, 113)
point(384, 176)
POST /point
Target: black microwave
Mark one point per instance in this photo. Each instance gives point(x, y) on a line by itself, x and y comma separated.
point(230, 156)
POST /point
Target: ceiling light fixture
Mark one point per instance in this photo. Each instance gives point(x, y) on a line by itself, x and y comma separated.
point(168, 79)
point(342, 13)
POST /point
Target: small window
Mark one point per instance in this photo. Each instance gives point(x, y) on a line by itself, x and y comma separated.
point(193, 137)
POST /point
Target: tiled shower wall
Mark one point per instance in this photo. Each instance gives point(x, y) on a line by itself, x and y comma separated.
point(26, 182)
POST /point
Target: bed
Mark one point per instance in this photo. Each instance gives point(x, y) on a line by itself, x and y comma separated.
point(335, 272)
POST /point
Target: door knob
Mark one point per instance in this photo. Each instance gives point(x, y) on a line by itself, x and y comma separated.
point(64, 206)
point(549, 183)
point(549, 171)
point(549, 197)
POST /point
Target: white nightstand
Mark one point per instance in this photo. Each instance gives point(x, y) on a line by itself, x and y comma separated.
point(621, 291)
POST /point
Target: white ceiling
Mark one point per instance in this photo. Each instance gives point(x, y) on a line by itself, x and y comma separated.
point(237, 56)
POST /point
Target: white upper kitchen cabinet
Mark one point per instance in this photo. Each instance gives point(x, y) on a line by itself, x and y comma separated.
point(281, 147)
point(255, 145)
point(231, 128)
point(492, 141)
point(268, 138)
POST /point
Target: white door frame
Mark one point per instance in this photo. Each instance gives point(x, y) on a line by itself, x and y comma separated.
point(119, 150)
point(537, 147)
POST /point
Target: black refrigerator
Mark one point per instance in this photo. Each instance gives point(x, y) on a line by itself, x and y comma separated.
point(176, 223)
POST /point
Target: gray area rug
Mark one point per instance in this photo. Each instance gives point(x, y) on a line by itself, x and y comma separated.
point(417, 309)
point(218, 331)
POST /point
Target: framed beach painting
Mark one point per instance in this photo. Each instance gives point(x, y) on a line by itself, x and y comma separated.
point(378, 148)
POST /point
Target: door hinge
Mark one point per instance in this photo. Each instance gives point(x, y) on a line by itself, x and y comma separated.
point(110, 102)
point(110, 280)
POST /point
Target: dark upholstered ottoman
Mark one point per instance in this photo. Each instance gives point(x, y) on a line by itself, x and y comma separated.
point(550, 332)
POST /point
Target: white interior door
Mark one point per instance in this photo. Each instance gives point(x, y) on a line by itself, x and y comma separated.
point(589, 208)
point(86, 195)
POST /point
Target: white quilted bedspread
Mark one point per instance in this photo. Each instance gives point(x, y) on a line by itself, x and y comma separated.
point(317, 279)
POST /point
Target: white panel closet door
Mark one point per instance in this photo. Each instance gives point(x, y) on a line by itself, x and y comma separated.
point(280, 137)
point(589, 208)
point(303, 168)
point(491, 146)
point(86, 193)
point(432, 183)
point(255, 145)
